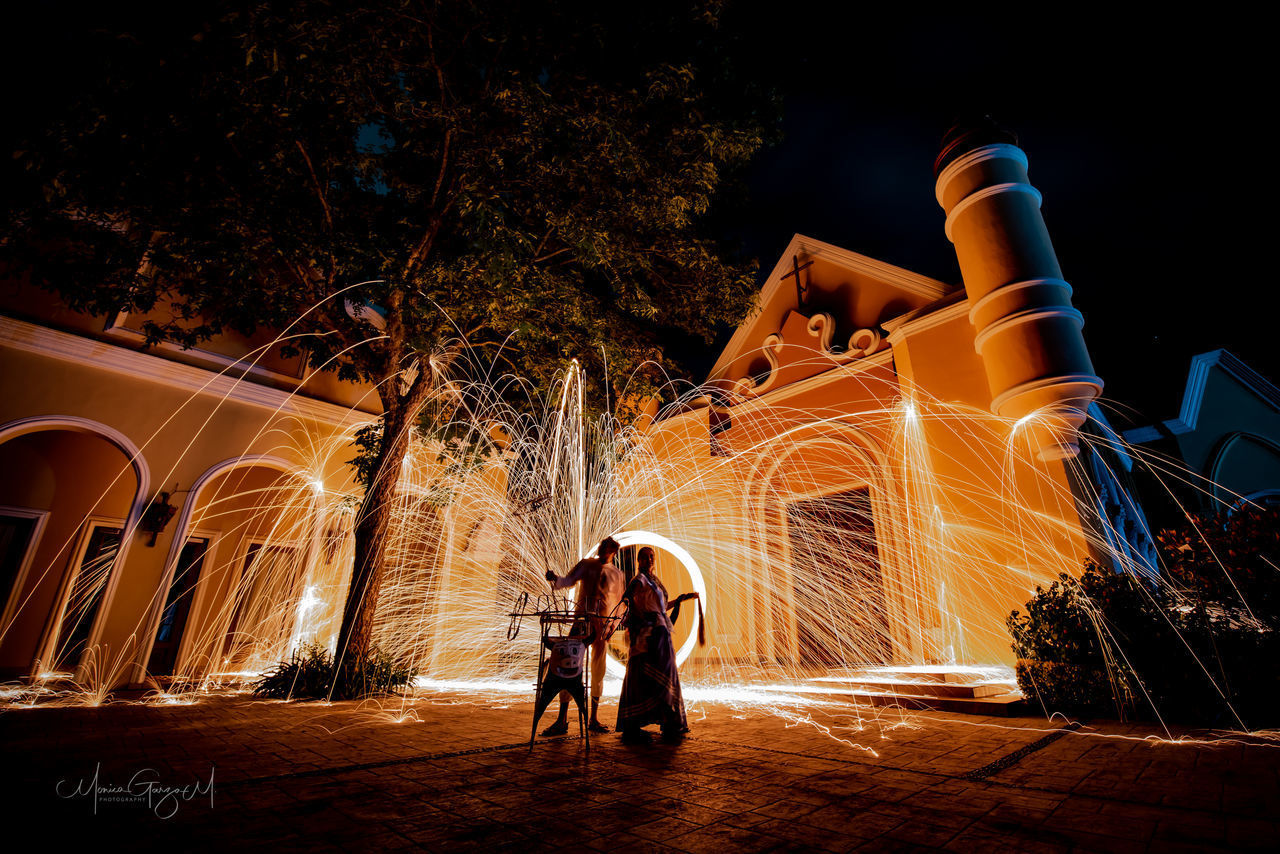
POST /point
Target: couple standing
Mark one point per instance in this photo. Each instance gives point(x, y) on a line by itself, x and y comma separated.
point(651, 688)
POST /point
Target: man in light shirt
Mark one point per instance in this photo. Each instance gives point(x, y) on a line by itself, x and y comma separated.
point(600, 586)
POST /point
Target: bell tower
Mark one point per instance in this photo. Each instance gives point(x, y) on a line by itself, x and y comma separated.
point(1027, 332)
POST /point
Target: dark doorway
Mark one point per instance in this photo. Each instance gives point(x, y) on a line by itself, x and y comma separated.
point(15, 539)
point(85, 597)
point(177, 606)
point(266, 601)
point(839, 593)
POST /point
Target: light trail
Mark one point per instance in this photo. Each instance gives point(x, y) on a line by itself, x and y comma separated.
point(879, 538)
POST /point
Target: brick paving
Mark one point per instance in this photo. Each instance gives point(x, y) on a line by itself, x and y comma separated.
point(453, 772)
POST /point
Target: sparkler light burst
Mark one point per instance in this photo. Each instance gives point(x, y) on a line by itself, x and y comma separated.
point(846, 548)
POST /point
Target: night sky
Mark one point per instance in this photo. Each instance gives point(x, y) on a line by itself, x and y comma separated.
point(1143, 134)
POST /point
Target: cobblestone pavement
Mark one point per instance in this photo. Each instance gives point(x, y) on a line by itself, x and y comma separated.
point(454, 772)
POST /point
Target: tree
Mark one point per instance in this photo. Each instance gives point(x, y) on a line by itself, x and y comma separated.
point(398, 184)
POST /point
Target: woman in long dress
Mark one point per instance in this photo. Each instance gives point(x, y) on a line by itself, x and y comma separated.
point(651, 688)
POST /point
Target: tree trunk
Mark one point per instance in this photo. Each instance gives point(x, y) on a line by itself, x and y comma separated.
point(372, 522)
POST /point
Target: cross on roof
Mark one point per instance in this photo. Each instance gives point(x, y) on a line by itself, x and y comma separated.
point(796, 267)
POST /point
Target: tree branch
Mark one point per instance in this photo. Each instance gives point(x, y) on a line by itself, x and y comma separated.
point(395, 333)
point(444, 164)
point(551, 255)
point(543, 242)
point(324, 204)
point(428, 238)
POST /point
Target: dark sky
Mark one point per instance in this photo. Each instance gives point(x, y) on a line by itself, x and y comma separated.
point(1143, 134)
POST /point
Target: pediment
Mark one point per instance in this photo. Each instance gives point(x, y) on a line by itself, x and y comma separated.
point(834, 318)
point(803, 348)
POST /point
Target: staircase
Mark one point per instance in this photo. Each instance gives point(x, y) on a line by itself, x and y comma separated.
point(951, 688)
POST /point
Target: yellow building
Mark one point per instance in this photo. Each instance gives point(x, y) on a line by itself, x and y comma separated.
point(248, 448)
point(880, 467)
point(888, 465)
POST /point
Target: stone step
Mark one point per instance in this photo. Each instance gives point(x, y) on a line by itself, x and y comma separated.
point(1000, 705)
point(952, 674)
point(972, 690)
point(1009, 704)
point(923, 689)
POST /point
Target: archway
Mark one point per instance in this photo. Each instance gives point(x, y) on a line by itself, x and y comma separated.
point(1242, 464)
point(87, 484)
point(807, 483)
point(240, 587)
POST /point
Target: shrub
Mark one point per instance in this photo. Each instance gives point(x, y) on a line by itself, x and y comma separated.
point(1066, 687)
point(1076, 643)
point(1199, 645)
point(1229, 563)
point(310, 674)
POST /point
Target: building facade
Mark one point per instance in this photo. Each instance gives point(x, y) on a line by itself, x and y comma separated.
point(1226, 438)
point(878, 469)
point(245, 446)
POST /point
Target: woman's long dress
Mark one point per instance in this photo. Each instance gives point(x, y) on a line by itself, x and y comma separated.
point(651, 688)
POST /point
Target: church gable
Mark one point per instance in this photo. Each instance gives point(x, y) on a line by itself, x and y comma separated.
point(802, 348)
point(821, 307)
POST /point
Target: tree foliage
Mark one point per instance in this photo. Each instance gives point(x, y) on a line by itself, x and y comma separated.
point(394, 185)
point(1228, 563)
point(517, 174)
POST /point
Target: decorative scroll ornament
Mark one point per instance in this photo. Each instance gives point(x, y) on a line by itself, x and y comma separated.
point(821, 327)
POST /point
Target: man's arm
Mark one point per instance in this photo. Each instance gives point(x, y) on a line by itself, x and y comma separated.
point(571, 578)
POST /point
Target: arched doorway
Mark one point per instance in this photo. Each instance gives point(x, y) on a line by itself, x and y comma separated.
point(255, 570)
point(833, 557)
point(841, 615)
point(73, 493)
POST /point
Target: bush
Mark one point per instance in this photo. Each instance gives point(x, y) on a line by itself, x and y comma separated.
point(1077, 640)
point(1198, 645)
point(1229, 563)
point(1066, 687)
point(309, 675)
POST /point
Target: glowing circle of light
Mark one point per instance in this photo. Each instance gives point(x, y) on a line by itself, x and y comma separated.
point(648, 538)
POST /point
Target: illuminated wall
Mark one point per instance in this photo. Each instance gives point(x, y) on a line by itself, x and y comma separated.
point(162, 425)
point(967, 519)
